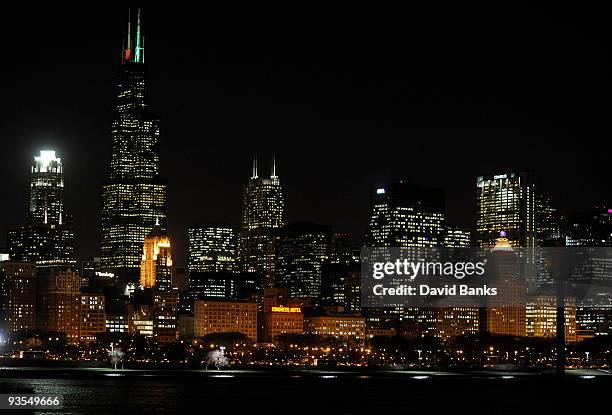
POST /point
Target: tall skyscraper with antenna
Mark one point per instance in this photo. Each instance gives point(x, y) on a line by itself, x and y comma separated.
point(134, 196)
point(263, 213)
point(47, 238)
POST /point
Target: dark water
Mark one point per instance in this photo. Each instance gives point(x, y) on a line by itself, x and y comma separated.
point(287, 393)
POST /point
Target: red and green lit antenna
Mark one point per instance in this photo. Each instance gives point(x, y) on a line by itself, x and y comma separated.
point(139, 42)
point(134, 53)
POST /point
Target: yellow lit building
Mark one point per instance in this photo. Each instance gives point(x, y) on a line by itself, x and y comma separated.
point(542, 317)
point(282, 320)
point(218, 316)
point(140, 320)
point(506, 312)
point(342, 327)
point(156, 264)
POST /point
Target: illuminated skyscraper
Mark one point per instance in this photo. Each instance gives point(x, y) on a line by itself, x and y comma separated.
point(212, 248)
point(47, 239)
point(341, 279)
point(302, 250)
point(263, 213)
point(47, 188)
point(506, 202)
point(406, 215)
point(134, 196)
point(156, 263)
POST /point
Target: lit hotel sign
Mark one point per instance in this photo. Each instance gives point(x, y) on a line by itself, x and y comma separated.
point(282, 309)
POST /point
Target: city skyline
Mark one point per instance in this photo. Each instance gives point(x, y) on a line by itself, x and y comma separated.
point(217, 171)
point(203, 206)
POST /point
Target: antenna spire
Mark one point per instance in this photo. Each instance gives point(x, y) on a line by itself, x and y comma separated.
point(273, 166)
point(129, 39)
point(139, 41)
point(254, 176)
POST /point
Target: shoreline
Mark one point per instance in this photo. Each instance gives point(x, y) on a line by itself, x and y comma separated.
point(364, 373)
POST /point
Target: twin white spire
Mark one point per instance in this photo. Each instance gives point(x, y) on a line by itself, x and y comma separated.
point(255, 175)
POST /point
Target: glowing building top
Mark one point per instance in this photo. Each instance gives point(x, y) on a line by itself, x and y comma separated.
point(47, 189)
point(156, 264)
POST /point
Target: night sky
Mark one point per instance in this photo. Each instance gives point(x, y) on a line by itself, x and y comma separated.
point(347, 99)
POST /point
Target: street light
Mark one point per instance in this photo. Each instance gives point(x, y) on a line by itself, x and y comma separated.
point(587, 358)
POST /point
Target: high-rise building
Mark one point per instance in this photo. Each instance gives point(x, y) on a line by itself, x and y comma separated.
point(93, 317)
point(165, 314)
point(456, 321)
point(17, 296)
point(263, 213)
point(541, 315)
point(597, 321)
point(211, 248)
point(117, 322)
point(90, 271)
point(506, 203)
point(134, 196)
point(457, 237)
point(156, 263)
point(406, 215)
point(341, 251)
point(47, 188)
point(228, 285)
point(341, 286)
point(222, 285)
point(549, 223)
point(58, 301)
point(505, 313)
point(140, 320)
point(302, 250)
point(47, 238)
